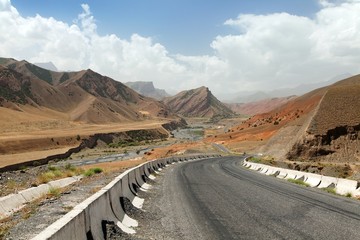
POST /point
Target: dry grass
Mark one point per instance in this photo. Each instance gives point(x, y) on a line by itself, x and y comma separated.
point(55, 173)
point(5, 225)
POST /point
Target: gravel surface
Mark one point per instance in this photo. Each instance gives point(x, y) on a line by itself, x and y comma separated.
point(36, 216)
point(154, 220)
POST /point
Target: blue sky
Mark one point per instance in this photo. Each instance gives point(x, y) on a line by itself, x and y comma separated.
point(183, 26)
point(230, 46)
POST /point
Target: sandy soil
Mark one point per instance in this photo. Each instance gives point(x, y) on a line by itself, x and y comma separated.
point(25, 136)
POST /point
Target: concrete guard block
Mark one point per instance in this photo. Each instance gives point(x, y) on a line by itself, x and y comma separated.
point(291, 174)
point(312, 179)
point(282, 174)
point(11, 203)
point(264, 170)
point(70, 226)
point(328, 182)
point(35, 192)
point(62, 182)
point(272, 170)
point(345, 186)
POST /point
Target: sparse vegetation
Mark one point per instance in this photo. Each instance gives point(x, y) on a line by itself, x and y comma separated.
point(57, 172)
point(54, 192)
point(5, 226)
point(93, 171)
point(254, 160)
point(329, 190)
point(299, 182)
point(349, 195)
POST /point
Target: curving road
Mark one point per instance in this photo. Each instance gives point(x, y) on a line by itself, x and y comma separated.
point(220, 199)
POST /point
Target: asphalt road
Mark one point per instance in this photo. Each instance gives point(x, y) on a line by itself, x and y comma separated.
point(220, 199)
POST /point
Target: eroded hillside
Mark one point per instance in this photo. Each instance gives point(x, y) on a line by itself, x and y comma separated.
point(198, 102)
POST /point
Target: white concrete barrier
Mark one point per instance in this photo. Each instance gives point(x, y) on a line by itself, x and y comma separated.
point(342, 186)
point(128, 191)
point(35, 192)
point(70, 226)
point(282, 174)
point(345, 186)
point(63, 182)
point(255, 166)
point(328, 182)
point(273, 171)
point(312, 179)
point(291, 174)
point(87, 220)
point(13, 202)
point(264, 170)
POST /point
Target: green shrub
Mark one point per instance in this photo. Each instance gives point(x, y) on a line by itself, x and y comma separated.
point(299, 182)
point(55, 192)
point(58, 173)
point(349, 195)
point(52, 168)
point(92, 171)
point(70, 167)
point(329, 190)
point(97, 170)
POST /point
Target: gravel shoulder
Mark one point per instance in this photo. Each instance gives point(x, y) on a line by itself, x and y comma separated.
point(36, 216)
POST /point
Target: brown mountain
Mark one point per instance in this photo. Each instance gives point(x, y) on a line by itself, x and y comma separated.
point(83, 96)
point(322, 125)
point(198, 102)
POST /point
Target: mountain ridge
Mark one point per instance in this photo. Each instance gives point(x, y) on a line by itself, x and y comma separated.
point(198, 102)
point(100, 99)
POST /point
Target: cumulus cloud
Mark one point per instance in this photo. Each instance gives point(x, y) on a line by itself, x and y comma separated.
point(281, 50)
point(79, 46)
point(266, 51)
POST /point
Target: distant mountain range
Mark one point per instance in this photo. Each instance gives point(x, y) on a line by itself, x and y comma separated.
point(198, 102)
point(257, 107)
point(254, 96)
point(83, 96)
point(147, 89)
point(47, 65)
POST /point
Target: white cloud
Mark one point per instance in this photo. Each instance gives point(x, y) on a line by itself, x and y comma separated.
point(269, 51)
point(280, 50)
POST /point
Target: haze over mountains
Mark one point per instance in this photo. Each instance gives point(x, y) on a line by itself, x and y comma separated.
point(147, 89)
point(255, 96)
point(261, 106)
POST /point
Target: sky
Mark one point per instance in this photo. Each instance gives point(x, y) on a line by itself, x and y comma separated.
point(229, 46)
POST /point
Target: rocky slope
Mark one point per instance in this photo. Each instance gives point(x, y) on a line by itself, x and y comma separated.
point(198, 102)
point(322, 125)
point(334, 130)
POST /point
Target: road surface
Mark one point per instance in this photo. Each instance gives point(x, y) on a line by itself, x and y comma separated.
point(220, 199)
